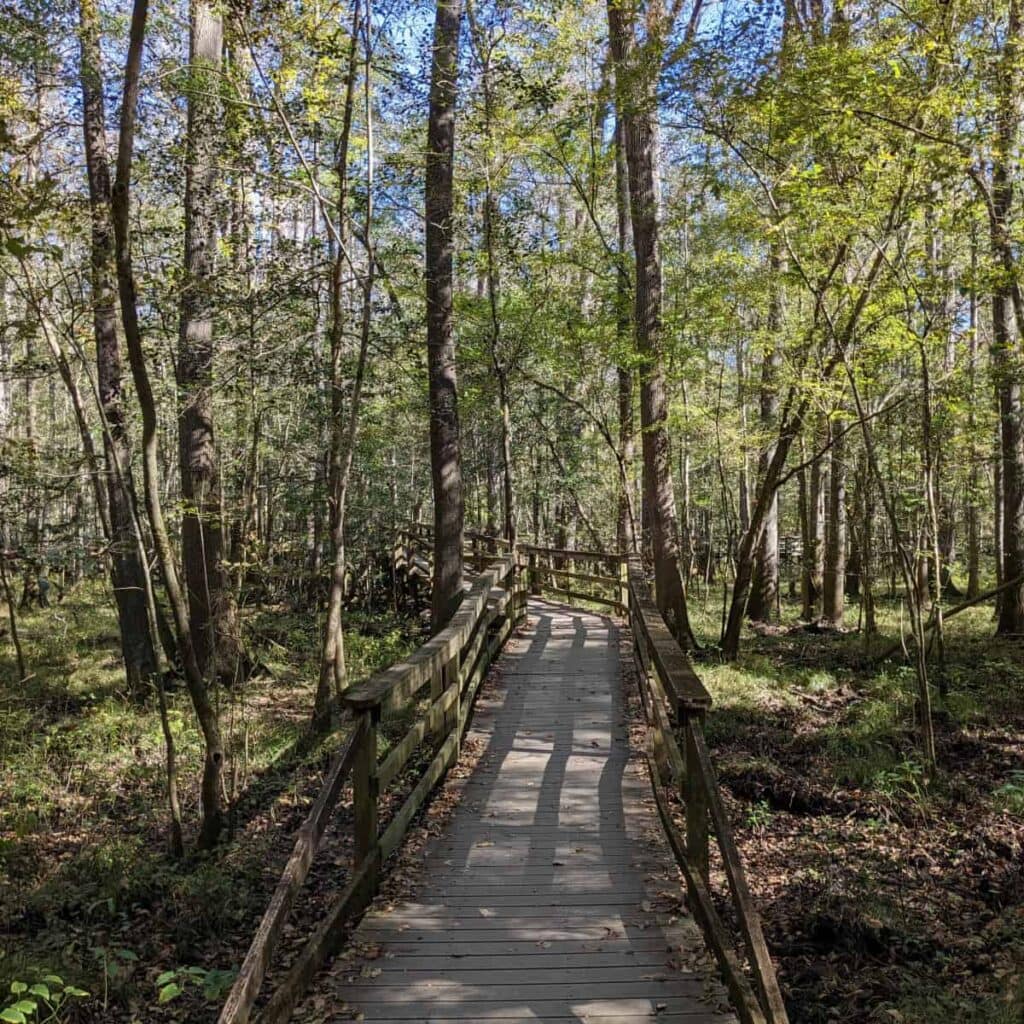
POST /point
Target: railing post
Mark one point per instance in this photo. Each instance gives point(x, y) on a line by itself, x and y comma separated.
point(694, 794)
point(533, 574)
point(624, 585)
point(364, 787)
point(453, 716)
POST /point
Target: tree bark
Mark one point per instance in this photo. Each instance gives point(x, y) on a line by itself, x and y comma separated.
point(625, 526)
point(212, 612)
point(445, 461)
point(834, 588)
point(636, 72)
point(137, 643)
point(210, 792)
point(764, 588)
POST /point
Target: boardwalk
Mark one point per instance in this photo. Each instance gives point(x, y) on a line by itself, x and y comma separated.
point(552, 895)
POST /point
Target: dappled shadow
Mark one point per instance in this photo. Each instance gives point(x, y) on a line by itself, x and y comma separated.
point(540, 899)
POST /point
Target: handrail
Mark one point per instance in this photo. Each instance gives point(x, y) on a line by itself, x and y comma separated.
point(670, 689)
point(453, 663)
point(247, 985)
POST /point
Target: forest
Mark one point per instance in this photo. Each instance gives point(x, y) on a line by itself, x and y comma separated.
point(309, 308)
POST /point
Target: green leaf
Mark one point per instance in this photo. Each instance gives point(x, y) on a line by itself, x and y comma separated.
point(40, 990)
point(24, 1006)
point(169, 992)
point(165, 977)
point(12, 1016)
point(53, 979)
point(17, 987)
point(79, 992)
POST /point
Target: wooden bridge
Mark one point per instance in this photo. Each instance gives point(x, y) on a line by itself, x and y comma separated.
point(554, 892)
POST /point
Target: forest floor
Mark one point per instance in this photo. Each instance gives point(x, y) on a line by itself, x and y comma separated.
point(88, 890)
point(887, 896)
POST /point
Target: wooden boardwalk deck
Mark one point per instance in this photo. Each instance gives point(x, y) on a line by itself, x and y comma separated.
point(552, 896)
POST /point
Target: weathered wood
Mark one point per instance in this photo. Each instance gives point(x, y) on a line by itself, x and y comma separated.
point(611, 557)
point(395, 685)
point(326, 939)
point(551, 845)
point(695, 792)
point(584, 577)
point(364, 788)
point(243, 993)
point(746, 911)
point(432, 722)
point(668, 753)
point(683, 687)
point(574, 595)
point(707, 916)
point(399, 825)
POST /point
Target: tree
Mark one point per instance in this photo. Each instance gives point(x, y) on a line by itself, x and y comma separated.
point(636, 77)
point(126, 569)
point(445, 449)
point(215, 635)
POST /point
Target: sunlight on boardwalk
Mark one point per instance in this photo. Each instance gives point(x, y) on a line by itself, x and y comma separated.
point(552, 896)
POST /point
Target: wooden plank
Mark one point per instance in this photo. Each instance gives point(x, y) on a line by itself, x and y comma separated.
point(575, 595)
point(325, 940)
point(707, 916)
point(396, 830)
point(583, 577)
point(537, 959)
point(400, 753)
point(395, 685)
point(682, 685)
point(746, 910)
point(588, 1011)
point(611, 557)
point(243, 993)
point(545, 885)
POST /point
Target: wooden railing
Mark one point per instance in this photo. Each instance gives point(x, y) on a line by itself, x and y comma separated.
point(675, 701)
point(452, 664)
point(578, 575)
point(479, 549)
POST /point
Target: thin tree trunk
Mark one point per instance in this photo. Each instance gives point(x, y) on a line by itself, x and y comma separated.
point(626, 526)
point(835, 534)
point(332, 660)
point(210, 792)
point(137, 642)
point(764, 588)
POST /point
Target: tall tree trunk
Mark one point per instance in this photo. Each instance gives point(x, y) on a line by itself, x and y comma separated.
point(625, 526)
point(835, 533)
point(1006, 315)
point(212, 613)
point(973, 481)
point(210, 792)
point(445, 462)
point(764, 588)
point(636, 99)
point(343, 434)
point(137, 642)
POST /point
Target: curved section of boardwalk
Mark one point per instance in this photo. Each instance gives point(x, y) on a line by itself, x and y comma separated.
point(552, 895)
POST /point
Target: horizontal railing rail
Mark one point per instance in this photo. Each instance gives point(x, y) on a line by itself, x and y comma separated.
point(548, 573)
point(453, 663)
point(676, 701)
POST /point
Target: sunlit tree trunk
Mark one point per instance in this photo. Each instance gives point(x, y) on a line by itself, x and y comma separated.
point(212, 613)
point(446, 468)
point(636, 72)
